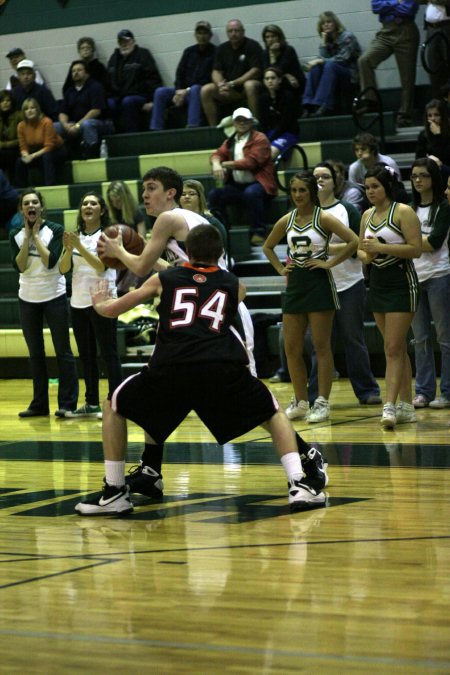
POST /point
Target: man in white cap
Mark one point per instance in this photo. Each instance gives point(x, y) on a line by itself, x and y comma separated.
point(133, 77)
point(15, 56)
point(29, 88)
point(243, 163)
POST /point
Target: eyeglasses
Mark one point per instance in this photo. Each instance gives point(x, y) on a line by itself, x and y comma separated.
point(419, 176)
point(189, 194)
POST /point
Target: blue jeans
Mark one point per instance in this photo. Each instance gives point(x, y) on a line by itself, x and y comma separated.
point(90, 328)
point(434, 305)
point(322, 84)
point(163, 97)
point(349, 323)
point(91, 131)
point(127, 112)
point(56, 314)
point(252, 196)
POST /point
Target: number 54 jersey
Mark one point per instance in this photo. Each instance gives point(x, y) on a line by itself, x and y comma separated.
point(197, 307)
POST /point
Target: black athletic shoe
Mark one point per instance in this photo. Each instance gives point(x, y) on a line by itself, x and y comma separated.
point(111, 500)
point(315, 468)
point(302, 495)
point(145, 480)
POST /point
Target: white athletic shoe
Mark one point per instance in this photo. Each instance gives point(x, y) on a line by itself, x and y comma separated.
point(301, 495)
point(111, 500)
point(405, 413)
point(297, 409)
point(389, 416)
point(440, 403)
point(320, 411)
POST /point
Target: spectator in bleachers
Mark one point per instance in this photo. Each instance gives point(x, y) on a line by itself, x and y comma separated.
point(9, 199)
point(40, 146)
point(133, 77)
point(82, 121)
point(244, 167)
point(95, 68)
point(279, 54)
point(124, 209)
point(398, 36)
point(36, 246)
point(29, 88)
point(279, 108)
point(236, 75)
point(434, 139)
point(437, 24)
point(193, 198)
point(365, 147)
point(433, 271)
point(9, 143)
point(334, 70)
point(193, 71)
point(347, 190)
point(15, 56)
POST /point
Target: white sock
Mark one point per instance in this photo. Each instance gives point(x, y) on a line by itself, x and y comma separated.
point(292, 465)
point(115, 472)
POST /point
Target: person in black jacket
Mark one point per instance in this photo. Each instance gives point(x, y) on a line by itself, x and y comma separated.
point(193, 71)
point(96, 69)
point(82, 122)
point(282, 56)
point(278, 112)
point(434, 140)
point(133, 77)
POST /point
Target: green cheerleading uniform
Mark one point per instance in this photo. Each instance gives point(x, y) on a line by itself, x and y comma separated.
point(308, 290)
point(393, 282)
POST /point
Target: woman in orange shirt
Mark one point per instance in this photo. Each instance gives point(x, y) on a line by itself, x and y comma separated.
point(39, 145)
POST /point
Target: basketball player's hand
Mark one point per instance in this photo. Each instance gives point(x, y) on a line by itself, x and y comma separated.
point(110, 247)
point(100, 293)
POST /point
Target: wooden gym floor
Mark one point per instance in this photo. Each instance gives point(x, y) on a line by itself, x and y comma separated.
point(218, 577)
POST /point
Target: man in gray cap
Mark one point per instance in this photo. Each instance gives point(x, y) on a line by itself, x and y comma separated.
point(16, 55)
point(193, 71)
point(133, 77)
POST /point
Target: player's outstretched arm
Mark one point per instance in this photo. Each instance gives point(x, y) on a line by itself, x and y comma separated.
point(114, 307)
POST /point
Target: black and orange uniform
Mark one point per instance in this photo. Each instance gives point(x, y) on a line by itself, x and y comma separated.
point(199, 362)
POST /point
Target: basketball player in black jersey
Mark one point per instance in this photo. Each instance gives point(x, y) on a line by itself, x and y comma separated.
point(199, 364)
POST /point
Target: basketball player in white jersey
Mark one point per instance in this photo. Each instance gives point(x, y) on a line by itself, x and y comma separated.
point(162, 189)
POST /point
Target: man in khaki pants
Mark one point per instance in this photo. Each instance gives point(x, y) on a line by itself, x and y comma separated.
point(398, 35)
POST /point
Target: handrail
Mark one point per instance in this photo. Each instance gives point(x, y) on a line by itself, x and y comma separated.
point(445, 63)
point(378, 112)
point(284, 156)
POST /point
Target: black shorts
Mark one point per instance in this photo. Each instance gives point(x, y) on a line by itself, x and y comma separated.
point(226, 397)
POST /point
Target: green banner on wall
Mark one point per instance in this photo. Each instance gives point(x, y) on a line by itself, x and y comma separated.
point(18, 16)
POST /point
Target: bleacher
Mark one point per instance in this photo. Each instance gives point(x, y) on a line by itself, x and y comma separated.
point(188, 151)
